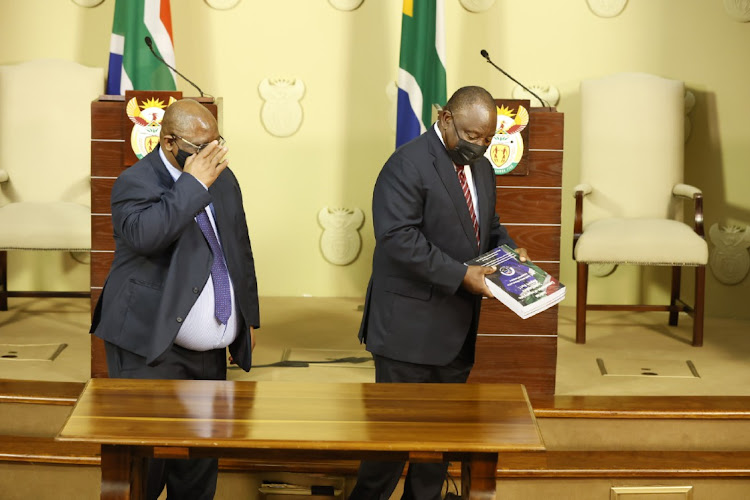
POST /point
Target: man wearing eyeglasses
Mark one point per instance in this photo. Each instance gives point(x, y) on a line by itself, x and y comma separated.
point(182, 285)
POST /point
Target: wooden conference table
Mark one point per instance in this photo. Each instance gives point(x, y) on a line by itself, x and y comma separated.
point(135, 419)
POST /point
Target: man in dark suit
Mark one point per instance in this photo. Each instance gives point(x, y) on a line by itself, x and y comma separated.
point(433, 209)
point(182, 285)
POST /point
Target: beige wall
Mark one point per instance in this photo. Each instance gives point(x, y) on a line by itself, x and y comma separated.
point(346, 59)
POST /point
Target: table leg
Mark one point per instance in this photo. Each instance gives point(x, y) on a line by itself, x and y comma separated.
point(123, 474)
point(478, 476)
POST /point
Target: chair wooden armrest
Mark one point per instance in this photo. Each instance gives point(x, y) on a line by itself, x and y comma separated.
point(579, 192)
point(691, 192)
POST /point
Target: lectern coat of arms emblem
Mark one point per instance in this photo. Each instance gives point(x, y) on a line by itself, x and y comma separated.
point(146, 118)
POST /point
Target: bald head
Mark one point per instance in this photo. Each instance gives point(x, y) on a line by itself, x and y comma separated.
point(186, 117)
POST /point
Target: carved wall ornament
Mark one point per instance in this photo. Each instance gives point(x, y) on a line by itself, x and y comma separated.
point(689, 105)
point(340, 242)
point(546, 92)
point(281, 113)
point(739, 10)
point(607, 8)
point(729, 260)
point(477, 5)
point(345, 4)
point(601, 270)
point(222, 4)
point(87, 3)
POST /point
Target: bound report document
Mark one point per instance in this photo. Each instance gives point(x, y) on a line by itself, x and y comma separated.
point(522, 286)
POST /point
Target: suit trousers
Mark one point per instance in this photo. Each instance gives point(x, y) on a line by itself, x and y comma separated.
point(424, 481)
point(192, 479)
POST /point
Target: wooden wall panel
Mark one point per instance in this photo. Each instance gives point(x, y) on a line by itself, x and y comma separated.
point(98, 358)
point(517, 360)
point(95, 293)
point(101, 188)
point(101, 233)
point(106, 120)
point(529, 205)
point(545, 170)
point(542, 242)
point(546, 130)
point(100, 264)
point(496, 318)
point(106, 158)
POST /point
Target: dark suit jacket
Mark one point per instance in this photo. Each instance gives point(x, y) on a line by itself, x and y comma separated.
point(162, 260)
point(415, 309)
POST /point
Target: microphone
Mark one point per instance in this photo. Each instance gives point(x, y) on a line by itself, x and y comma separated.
point(150, 44)
point(487, 56)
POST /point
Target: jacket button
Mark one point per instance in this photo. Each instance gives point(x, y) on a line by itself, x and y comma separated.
point(179, 320)
point(196, 290)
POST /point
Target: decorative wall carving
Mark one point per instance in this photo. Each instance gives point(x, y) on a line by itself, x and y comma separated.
point(729, 260)
point(607, 8)
point(222, 4)
point(87, 3)
point(345, 4)
point(600, 270)
point(477, 5)
point(546, 92)
point(739, 10)
point(340, 241)
point(281, 113)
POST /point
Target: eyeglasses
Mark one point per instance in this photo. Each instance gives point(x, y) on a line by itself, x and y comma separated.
point(201, 147)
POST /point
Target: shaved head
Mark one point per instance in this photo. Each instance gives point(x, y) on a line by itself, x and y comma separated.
point(184, 116)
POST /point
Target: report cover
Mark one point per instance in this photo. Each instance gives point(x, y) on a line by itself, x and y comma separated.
point(523, 287)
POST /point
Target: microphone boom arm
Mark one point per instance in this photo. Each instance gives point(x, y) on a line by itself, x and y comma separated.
point(149, 42)
point(501, 70)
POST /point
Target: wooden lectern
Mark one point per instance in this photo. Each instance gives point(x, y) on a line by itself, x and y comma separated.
point(510, 349)
point(111, 153)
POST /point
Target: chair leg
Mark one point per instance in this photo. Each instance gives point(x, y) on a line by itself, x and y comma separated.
point(582, 280)
point(673, 313)
point(700, 285)
point(3, 280)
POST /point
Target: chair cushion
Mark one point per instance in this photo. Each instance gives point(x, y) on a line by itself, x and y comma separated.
point(641, 241)
point(45, 226)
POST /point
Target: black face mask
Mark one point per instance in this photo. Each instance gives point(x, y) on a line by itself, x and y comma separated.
point(181, 157)
point(465, 152)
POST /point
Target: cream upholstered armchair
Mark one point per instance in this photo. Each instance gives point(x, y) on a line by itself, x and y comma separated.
point(45, 143)
point(628, 205)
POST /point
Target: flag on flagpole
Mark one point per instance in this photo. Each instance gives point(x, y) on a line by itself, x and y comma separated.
point(421, 72)
point(131, 64)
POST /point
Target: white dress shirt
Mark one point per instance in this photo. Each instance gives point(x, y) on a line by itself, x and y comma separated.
point(201, 331)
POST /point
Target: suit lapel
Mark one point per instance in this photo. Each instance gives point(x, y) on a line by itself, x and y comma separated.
point(165, 179)
point(220, 213)
point(447, 173)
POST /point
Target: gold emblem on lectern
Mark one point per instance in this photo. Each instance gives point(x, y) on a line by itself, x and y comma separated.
point(146, 118)
point(506, 149)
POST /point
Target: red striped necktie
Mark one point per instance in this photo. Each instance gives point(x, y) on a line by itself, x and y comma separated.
point(467, 196)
